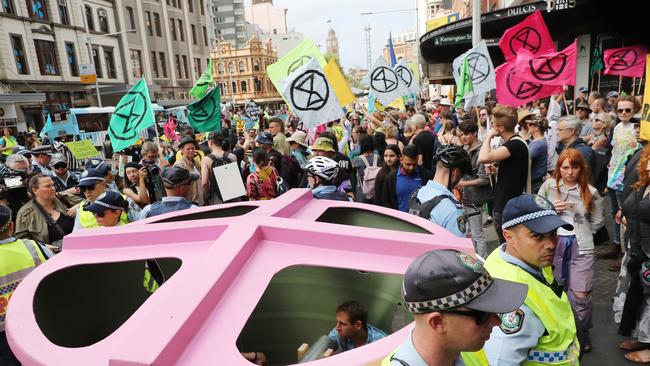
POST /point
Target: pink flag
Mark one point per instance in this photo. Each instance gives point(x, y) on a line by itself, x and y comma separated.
point(169, 128)
point(555, 68)
point(531, 34)
point(626, 61)
point(514, 91)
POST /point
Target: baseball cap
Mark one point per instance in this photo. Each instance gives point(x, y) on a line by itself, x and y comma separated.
point(107, 200)
point(534, 212)
point(58, 159)
point(176, 176)
point(323, 144)
point(444, 279)
point(583, 90)
point(445, 101)
point(264, 138)
point(90, 177)
point(612, 94)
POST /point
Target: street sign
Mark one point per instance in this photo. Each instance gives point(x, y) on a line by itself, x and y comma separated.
point(87, 73)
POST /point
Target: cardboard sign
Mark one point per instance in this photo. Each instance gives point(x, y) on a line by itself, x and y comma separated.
point(82, 149)
point(229, 181)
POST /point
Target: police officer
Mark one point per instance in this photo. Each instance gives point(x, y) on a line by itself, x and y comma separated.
point(435, 201)
point(92, 185)
point(542, 331)
point(41, 160)
point(454, 302)
point(18, 257)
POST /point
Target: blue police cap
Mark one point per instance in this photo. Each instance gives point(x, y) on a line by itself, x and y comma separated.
point(99, 164)
point(534, 212)
point(91, 177)
point(108, 200)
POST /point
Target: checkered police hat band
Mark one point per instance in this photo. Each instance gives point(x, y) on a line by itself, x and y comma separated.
point(528, 217)
point(454, 300)
point(104, 204)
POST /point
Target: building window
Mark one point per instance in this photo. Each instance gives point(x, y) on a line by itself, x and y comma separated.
point(202, 7)
point(234, 87)
point(185, 67)
point(89, 18)
point(63, 12)
point(163, 64)
point(256, 65)
point(148, 22)
point(46, 54)
point(98, 64)
point(258, 84)
point(136, 63)
point(231, 68)
point(243, 87)
point(102, 16)
point(220, 68)
point(190, 6)
point(130, 18)
point(194, 35)
point(172, 26)
point(242, 66)
point(156, 23)
point(205, 36)
point(181, 33)
point(111, 72)
point(37, 9)
point(19, 55)
point(154, 64)
point(9, 8)
point(179, 73)
point(72, 59)
point(197, 67)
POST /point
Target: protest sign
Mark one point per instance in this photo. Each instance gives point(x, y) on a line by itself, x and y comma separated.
point(645, 112)
point(83, 149)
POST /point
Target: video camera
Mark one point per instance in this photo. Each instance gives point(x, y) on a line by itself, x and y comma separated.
point(13, 188)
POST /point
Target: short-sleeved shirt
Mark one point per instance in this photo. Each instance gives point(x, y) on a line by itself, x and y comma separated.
point(406, 354)
point(447, 212)
point(538, 155)
point(425, 142)
point(512, 175)
point(374, 334)
point(405, 185)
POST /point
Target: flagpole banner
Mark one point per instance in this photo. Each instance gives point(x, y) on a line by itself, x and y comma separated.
point(293, 60)
point(339, 84)
point(384, 83)
point(132, 114)
point(391, 51)
point(205, 81)
point(205, 114)
point(513, 91)
point(481, 68)
point(531, 34)
point(464, 85)
point(597, 61)
point(311, 96)
point(626, 61)
point(252, 110)
point(645, 115)
point(555, 68)
point(47, 127)
point(407, 75)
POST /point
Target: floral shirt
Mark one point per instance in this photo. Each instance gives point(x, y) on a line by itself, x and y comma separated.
point(624, 144)
point(260, 185)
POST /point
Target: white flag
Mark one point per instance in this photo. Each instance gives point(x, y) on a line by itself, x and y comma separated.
point(385, 84)
point(310, 95)
point(406, 74)
point(480, 68)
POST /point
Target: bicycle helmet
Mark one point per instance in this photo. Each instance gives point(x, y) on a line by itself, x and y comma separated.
point(454, 156)
point(323, 167)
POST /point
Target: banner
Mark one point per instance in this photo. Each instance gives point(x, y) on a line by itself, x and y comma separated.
point(626, 61)
point(339, 84)
point(410, 78)
point(645, 111)
point(555, 68)
point(252, 110)
point(531, 34)
point(597, 60)
point(205, 114)
point(464, 84)
point(391, 50)
point(481, 68)
point(311, 96)
point(169, 129)
point(292, 61)
point(205, 81)
point(83, 149)
point(384, 83)
point(132, 114)
point(47, 127)
point(513, 91)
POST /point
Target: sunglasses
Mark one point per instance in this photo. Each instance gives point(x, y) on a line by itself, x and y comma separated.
point(480, 317)
point(84, 189)
point(60, 166)
point(100, 214)
point(626, 110)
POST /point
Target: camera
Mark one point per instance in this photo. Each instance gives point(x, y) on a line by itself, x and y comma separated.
point(13, 188)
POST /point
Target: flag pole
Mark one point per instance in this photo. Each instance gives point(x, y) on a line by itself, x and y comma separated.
point(566, 105)
point(599, 81)
point(620, 83)
point(638, 92)
point(592, 83)
point(633, 84)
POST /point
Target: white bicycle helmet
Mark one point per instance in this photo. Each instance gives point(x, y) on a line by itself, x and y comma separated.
point(323, 167)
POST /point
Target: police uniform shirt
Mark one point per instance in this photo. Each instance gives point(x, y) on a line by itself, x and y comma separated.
point(519, 331)
point(407, 355)
point(447, 212)
point(39, 168)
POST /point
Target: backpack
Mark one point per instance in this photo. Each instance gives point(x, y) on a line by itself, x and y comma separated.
point(369, 177)
point(423, 209)
point(291, 172)
point(281, 186)
point(216, 162)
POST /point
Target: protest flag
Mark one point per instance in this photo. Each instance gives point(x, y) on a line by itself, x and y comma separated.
point(464, 86)
point(132, 114)
point(47, 127)
point(204, 114)
point(626, 61)
point(552, 68)
point(530, 34)
point(339, 84)
point(391, 51)
point(513, 91)
point(206, 80)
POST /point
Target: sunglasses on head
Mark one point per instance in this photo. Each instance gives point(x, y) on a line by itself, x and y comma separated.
point(626, 110)
point(480, 317)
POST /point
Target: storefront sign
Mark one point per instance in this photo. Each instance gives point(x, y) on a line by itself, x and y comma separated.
point(554, 5)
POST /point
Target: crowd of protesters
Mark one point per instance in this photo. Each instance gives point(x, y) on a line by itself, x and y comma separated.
point(576, 155)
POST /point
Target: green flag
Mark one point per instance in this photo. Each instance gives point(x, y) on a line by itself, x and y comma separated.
point(132, 114)
point(464, 86)
point(597, 61)
point(205, 114)
point(205, 81)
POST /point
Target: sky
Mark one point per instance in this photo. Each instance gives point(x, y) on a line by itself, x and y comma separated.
point(310, 18)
